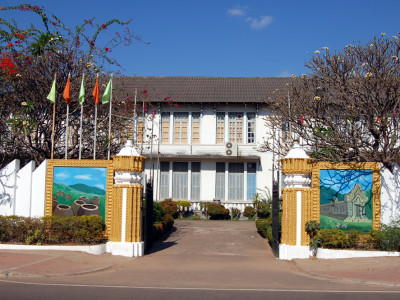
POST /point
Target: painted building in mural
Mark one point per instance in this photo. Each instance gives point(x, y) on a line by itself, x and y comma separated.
point(206, 141)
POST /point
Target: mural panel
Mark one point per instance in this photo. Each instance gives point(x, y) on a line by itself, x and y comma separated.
point(79, 191)
point(346, 199)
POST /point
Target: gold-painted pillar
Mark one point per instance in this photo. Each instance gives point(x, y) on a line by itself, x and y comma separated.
point(126, 221)
point(296, 197)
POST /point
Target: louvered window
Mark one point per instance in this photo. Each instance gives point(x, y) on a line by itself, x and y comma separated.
point(180, 181)
point(180, 128)
point(220, 128)
point(195, 193)
point(141, 129)
point(195, 128)
point(235, 181)
point(251, 180)
point(165, 128)
point(164, 179)
point(251, 128)
point(220, 181)
point(235, 127)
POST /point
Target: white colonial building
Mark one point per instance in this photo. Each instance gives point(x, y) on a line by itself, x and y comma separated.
point(207, 131)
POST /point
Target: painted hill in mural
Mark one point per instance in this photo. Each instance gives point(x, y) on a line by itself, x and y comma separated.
point(327, 195)
point(87, 189)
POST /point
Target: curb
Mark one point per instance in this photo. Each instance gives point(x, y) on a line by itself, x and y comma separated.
point(91, 249)
point(7, 274)
point(321, 276)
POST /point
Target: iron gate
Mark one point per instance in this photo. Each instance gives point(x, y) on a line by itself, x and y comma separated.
point(276, 230)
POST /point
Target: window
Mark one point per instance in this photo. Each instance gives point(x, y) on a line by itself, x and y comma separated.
point(165, 128)
point(220, 128)
point(220, 181)
point(235, 127)
point(251, 180)
point(180, 181)
point(195, 128)
point(164, 179)
point(140, 129)
point(195, 193)
point(235, 181)
point(180, 128)
point(285, 132)
point(251, 128)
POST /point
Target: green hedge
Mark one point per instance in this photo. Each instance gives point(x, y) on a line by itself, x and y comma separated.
point(52, 230)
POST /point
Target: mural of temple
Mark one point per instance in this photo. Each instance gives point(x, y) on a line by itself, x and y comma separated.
point(356, 205)
point(351, 209)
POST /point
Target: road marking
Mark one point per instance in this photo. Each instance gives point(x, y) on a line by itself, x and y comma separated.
point(202, 289)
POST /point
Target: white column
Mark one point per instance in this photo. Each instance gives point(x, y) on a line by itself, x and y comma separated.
point(171, 128)
point(123, 219)
point(226, 181)
point(190, 180)
point(298, 219)
point(245, 182)
point(170, 179)
point(189, 128)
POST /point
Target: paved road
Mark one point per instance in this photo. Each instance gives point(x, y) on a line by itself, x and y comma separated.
point(200, 259)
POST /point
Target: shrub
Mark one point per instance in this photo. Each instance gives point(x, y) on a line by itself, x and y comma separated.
point(388, 238)
point(249, 212)
point(262, 226)
point(217, 211)
point(333, 238)
point(170, 207)
point(52, 230)
point(263, 210)
point(235, 213)
point(183, 207)
point(158, 212)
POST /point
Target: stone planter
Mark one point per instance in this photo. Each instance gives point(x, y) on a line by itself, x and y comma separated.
point(75, 206)
point(63, 210)
point(88, 210)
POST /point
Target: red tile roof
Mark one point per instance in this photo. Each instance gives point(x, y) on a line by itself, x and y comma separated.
point(205, 89)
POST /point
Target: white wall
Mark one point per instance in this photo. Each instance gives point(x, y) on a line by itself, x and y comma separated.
point(23, 191)
point(390, 194)
point(8, 179)
point(39, 191)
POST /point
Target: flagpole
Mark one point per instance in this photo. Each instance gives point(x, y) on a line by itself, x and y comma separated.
point(95, 124)
point(67, 97)
point(109, 122)
point(54, 119)
point(81, 100)
point(95, 131)
point(80, 135)
point(66, 133)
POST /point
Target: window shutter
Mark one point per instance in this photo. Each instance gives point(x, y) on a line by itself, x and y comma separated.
point(195, 189)
point(164, 179)
point(220, 181)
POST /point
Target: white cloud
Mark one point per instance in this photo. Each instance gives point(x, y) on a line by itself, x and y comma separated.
point(260, 23)
point(285, 74)
point(100, 186)
point(237, 11)
point(83, 177)
point(61, 176)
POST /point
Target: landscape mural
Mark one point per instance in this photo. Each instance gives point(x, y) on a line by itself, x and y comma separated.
point(79, 191)
point(346, 199)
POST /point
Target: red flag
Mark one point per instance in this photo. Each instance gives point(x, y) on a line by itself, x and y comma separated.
point(67, 91)
point(96, 92)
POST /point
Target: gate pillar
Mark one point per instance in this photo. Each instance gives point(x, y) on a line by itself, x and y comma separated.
point(296, 204)
point(125, 233)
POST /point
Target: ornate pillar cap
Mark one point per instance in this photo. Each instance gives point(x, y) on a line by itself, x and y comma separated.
point(128, 149)
point(296, 151)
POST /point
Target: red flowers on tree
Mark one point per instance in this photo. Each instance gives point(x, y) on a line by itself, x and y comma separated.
point(7, 65)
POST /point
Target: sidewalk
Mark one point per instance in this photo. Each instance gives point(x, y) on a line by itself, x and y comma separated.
point(215, 250)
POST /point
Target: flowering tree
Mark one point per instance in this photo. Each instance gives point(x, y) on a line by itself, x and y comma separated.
point(29, 58)
point(346, 108)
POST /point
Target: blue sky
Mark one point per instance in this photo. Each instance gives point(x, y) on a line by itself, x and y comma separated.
point(344, 180)
point(72, 175)
point(253, 38)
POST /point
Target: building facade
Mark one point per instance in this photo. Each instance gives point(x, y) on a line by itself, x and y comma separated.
point(206, 136)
